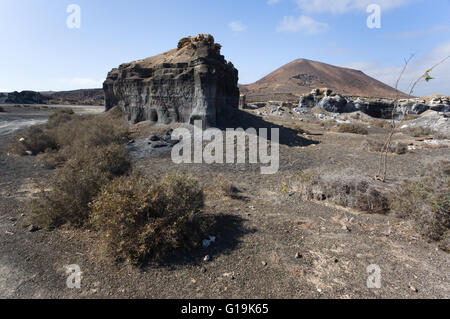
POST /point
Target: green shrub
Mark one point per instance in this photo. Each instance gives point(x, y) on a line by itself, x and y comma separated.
point(75, 185)
point(139, 220)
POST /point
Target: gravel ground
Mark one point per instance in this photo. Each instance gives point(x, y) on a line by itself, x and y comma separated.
point(270, 243)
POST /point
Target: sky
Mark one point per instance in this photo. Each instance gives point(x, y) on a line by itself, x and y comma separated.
point(40, 50)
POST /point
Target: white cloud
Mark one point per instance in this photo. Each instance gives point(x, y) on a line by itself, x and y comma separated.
point(389, 74)
point(344, 6)
point(302, 24)
point(271, 2)
point(80, 83)
point(417, 33)
point(237, 26)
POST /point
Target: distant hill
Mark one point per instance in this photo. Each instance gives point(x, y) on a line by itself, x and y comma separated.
point(301, 76)
point(76, 97)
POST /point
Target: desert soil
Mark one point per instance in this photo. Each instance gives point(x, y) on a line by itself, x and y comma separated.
point(259, 235)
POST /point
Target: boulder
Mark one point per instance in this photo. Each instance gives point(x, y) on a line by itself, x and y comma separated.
point(192, 82)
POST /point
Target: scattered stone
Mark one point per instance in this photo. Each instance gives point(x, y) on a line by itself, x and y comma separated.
point(33, 228)
point(154, 138)
point(30, 153)
point(9, 233)
point(13, 219)
point(346, 228)
point(22, 140)
point(203, 269)
point(264, 263)
point(159, 144)
point(207, 258)
point(131, 142)
point(413, 289)
point(298, 256)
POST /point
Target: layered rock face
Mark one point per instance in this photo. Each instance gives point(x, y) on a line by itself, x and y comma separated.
point(192, 82)
point(375, 107)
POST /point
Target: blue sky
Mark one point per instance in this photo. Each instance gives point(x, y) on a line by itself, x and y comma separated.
point(39, 52)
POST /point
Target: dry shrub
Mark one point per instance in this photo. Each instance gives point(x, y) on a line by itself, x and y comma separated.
point(35, 139)
point(380, 123)
point(68, 133)
point(59, 117)
point(352, 128)
point(420, 131)
point(377, 146)
point(140, 219)
point(348, 188)
point(426, 200)
point(75, 185)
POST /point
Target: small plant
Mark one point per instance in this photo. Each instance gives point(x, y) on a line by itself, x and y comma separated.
point(225, 187)
point(426, 200)
point(420, 131)
point(352, 128)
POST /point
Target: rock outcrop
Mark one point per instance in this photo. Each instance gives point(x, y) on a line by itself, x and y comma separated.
point(26, 97)
point(331, 102)
point(192, 82)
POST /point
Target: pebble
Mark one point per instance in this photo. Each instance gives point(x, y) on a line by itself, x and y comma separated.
point(414, 289)
point(207, 258)
point(264, 263)
point(33, 228)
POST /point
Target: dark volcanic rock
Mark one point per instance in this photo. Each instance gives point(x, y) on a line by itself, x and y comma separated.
point(192, 82)
point(26, 97)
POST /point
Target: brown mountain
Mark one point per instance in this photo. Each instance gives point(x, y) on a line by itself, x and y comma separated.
point(301, 76)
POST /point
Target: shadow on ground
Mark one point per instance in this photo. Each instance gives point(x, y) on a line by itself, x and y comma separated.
point(245, 120)
point(228, 230)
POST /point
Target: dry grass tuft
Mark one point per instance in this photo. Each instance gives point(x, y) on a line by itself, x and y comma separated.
point(352, 128)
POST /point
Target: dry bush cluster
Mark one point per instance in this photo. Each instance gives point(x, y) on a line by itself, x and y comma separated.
point(75, 184)
point(348, 188)
point(92, 187)
point(68, 134)
point(377, 146)
point(426, 200)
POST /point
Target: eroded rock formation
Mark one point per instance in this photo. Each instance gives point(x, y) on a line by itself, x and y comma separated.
point(192, 82)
